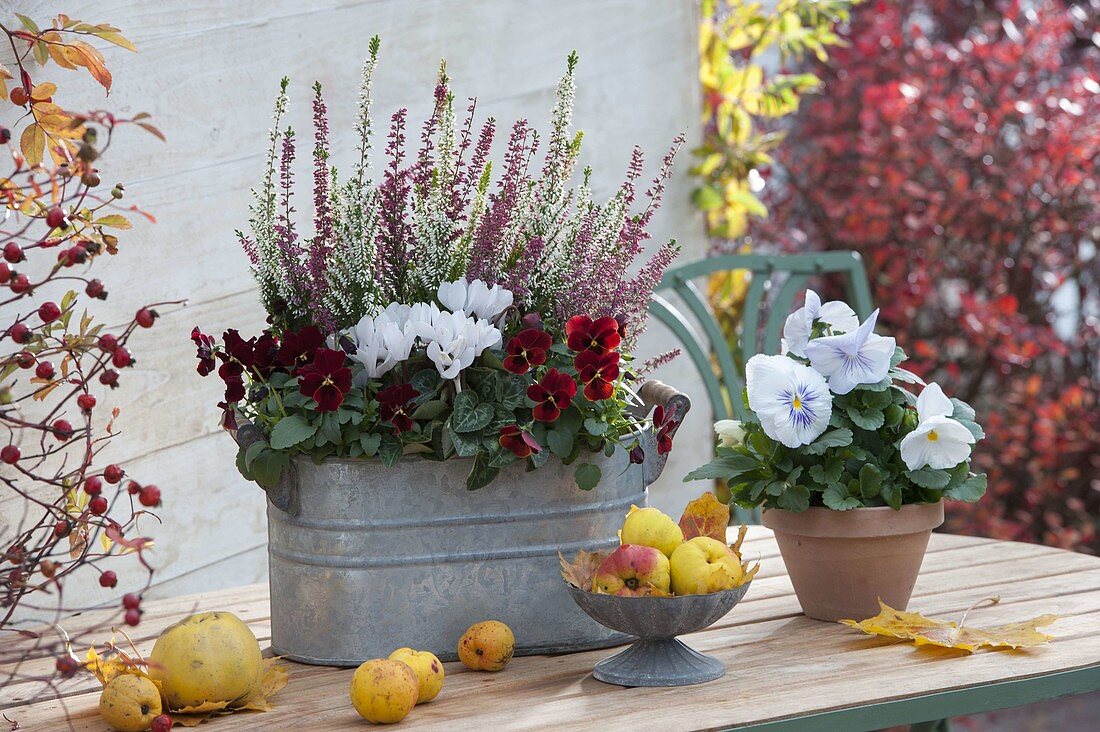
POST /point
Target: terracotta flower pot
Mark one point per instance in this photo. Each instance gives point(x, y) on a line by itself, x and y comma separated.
point(842, 562)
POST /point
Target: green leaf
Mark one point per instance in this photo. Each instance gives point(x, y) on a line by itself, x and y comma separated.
point(481, 474)
point(961, 410)
point(390, 450)
point(595, 427)
point(795, 498)
point(370, 443)
point(928, 478)
point(707, 198)
point(430, 410)
point(969, 491)
point(974, 427)
point(560, 442)
point(587, 476)
point(870, 480)
point(289, 431)
point(426, 381)
point(836, 497)
point(268, 466)
point(469, 415)
point(868, 419)
point(253, 451)
point(724, 468)
point(891, 493)
point(466, 445)
point(833, 438)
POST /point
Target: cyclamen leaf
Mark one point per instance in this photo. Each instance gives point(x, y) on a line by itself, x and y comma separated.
point(289, 431)
point(390, 450)
point(470, 418)
point(430, 410)
point(481, 474)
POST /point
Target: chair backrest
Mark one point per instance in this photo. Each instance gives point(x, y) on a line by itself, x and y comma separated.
point(721, 367)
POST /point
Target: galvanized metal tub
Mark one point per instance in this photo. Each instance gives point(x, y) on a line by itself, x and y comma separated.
point(365, 559)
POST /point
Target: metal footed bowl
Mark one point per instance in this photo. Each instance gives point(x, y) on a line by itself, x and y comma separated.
point(658, 658)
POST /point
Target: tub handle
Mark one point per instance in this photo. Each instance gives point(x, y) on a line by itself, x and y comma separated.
point(284, 494)
point(676, 405)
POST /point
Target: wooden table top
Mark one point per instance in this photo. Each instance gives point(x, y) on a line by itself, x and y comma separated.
point(781, 665)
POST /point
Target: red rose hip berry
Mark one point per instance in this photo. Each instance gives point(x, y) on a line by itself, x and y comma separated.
point(131, 601)
point(133, 617)
point(112, 474)
point(98, 505)
point(49, 312)
point(108, 579)
point(55, 219)
point(25, 359)
point(86, 402)
point(67, 665)
point(161, 723)
point(107, 343)
point(149, 496)
point(20, 333)
point(121, 358)
point(62, 429)
point(10, 454)
point(93, 486)
point(109, 378)
point(13, 252)
point(95, 289)
point(44, 371)
point(145, 317)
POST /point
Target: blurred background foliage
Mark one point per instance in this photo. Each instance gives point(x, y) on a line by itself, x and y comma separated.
point(954, 144)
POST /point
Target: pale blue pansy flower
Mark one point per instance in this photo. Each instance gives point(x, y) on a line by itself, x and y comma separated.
point(791, 400)
point(938, 442)
point(799, 325)
point(851, 359)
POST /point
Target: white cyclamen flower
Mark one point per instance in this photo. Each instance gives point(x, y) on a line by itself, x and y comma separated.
point(835, 314)
point(731, 433)
point(475, 298)
point(848, 360)
point(453, 340)
point(792, 400)
point(938, 442)
point(380, 344)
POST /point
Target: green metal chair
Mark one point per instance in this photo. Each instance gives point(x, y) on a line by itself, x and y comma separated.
point(722, 368)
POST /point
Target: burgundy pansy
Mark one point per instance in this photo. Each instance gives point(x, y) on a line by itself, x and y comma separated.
point(205, 345)
point(257, 355)
point(598, 373)
point(299, 346)
point(552, 395)
point(232, 373)
point(521, 444)
point(395, 406)
point(326, 380)
point(637, 455)
point(600, 335)
point(664, 428)
point(526, 350)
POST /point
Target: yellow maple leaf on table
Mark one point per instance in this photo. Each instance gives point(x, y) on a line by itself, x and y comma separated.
point(891, 623)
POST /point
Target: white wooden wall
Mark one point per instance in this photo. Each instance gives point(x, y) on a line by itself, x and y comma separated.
point(207, 70)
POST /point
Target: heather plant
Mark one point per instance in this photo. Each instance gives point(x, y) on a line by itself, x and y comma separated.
point(68, 510)
point(442, 310)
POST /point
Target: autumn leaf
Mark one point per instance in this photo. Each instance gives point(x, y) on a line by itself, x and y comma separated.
point(923, 631)
point(32, 143)
point(275, 678)
point(705, 516)
point(582, 572)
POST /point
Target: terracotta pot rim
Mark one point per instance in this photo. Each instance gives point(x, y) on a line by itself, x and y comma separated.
point(863, 522)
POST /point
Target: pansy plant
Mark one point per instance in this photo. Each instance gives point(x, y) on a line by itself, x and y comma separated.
point(837, 424)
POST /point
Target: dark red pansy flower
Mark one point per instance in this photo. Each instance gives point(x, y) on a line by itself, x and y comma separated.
point(205, 345)
point(237, 348)
point(326, 380)
point(395, 406)
point(664, 429)
point(264, 351)
point(637, 455)
point(600, 335)
point(552, 395)
point(526, 350)
point(598, 373)
point(521, 444)
point(231, 373)
point(299, 346)
point(229, 417)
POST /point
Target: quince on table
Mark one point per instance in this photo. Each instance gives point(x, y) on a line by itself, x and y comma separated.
point(923, 631)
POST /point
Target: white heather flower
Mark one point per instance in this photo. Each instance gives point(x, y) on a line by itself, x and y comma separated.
point(731, 433)
point(835, 314)
point(792, 400)
point(848, 360)
point(938, 441)
point(475, 298)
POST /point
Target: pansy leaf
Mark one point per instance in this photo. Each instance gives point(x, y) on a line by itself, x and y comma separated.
point(962, 410)
point(253, 451)
point(832, 438)
point(969, 491)
point(560, 442)
point(837, 498)
point(905, 375)
point(587, 476)
point(975, 428)
point(868, 419)
point(291, 430)
point(595, 426)
point(928, 478)
point(268, 466)
point(796, 498)
point(891, 493)
point(370, 442)
point(725, 468)
point(870, 480)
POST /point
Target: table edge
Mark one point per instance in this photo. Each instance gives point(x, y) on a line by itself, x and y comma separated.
point(939, 705)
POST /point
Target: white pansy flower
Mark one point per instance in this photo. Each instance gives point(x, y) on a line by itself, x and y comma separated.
point(799, 325)
point(848, 360)
point(792, 400)
point(731, 433)
point(475, 298)
point(938, 442)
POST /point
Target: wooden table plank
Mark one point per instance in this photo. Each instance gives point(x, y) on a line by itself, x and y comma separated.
point(781, 664)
